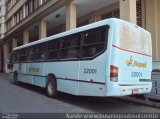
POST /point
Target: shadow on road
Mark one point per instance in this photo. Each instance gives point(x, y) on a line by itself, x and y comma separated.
point(30, 87)
point(98, 104)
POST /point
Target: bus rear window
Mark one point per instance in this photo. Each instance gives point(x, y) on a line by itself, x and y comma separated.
point(135, 39)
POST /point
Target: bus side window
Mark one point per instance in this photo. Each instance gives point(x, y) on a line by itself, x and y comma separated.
point(12, 60)
point(30, 55)
point(93, 42)
point(22, 54)
point(17, 56)
point(52, 51)
point(39, 52)
point(70, 46)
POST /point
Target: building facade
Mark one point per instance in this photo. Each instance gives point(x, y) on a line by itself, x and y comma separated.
point(24, 21)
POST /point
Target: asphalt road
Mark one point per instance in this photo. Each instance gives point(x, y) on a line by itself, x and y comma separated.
point(25, 98)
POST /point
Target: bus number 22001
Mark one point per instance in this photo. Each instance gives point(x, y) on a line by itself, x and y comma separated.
point(90, 71)
point(136, 74)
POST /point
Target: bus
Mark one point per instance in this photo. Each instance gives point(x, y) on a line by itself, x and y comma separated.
point(111, 57)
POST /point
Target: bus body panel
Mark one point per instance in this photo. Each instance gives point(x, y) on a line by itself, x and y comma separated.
point(132, 67)
point(93, 72)
point(39, 81)
point(21, 70)
point(130, 78)
point(92, 76)
point(25, 78)
point(131, 53)
point(114, 89)
point(31, 73)
point(66, 73)
point(37, 70)
point(92, 89)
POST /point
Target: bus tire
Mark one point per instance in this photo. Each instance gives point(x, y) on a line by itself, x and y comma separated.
point(15, 78)
point(51, 87)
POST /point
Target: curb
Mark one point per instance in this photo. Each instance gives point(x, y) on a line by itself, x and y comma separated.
point(146, 102)
point(2, 74)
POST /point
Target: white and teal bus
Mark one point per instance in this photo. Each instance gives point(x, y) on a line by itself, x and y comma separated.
point(107, 58)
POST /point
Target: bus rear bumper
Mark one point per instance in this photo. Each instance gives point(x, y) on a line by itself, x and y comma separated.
point(129, 90)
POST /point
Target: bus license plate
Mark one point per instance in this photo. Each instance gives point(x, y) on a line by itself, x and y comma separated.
point(135, 92)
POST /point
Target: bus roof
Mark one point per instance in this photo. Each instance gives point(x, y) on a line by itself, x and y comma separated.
point(72, 31)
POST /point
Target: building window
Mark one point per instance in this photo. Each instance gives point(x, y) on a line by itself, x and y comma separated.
point(10, 46)
point(9, 24)
point(111, 14)
point(15, 20)
point(30, 7)
point(27, 9)
point(21, 14)
point(11, 3)
point(35, 4)
point(56, 30)
point(0, 29)
point(139, 12)
point(17, 17)
point(82, 23)
point(116, 13)
point(43, 1)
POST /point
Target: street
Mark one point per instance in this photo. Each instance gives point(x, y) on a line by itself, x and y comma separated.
point(25, 98)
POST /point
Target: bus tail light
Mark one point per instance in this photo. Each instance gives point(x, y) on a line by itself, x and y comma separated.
point(113, 73)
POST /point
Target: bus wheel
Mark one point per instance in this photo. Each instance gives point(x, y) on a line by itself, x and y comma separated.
point(15, 78)
point(51, 87)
